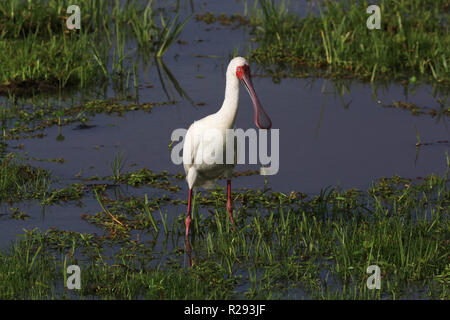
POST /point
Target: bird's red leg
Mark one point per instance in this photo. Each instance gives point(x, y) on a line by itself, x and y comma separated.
point(188, 251)
point(229, 206)
point(188, 216)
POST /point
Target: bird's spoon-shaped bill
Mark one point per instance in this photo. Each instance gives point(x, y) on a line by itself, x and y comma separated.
point(262, 120)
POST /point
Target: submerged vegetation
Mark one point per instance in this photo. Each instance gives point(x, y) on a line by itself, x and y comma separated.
point(43, 117)
point(284, 245)
point(19, 181)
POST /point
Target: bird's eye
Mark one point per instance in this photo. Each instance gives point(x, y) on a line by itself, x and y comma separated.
point(239, 72)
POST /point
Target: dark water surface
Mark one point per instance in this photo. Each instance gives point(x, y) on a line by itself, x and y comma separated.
point(325, 139)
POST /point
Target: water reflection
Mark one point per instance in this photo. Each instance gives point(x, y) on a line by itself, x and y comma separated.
point(60, 137)
point(166, 76)
point(188, 250)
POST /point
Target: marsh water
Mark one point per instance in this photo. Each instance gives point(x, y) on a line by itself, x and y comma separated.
point(332, 134)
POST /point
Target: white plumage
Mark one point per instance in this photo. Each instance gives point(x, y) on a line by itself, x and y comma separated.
point(204, 174)
point(208, 135)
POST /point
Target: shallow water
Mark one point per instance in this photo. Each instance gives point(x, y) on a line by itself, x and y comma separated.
point(325, 139)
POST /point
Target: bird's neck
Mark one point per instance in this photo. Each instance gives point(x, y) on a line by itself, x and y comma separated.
point(230, 103)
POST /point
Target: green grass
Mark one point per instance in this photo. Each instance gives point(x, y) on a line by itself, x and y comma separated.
point(19, 181)
point(414, 40)
point(38, 53)
point(284, 246)
point(26, 272)
point(33, 268)
point(45, 65)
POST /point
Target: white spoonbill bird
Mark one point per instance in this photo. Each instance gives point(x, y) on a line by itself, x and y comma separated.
point(201, 173)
